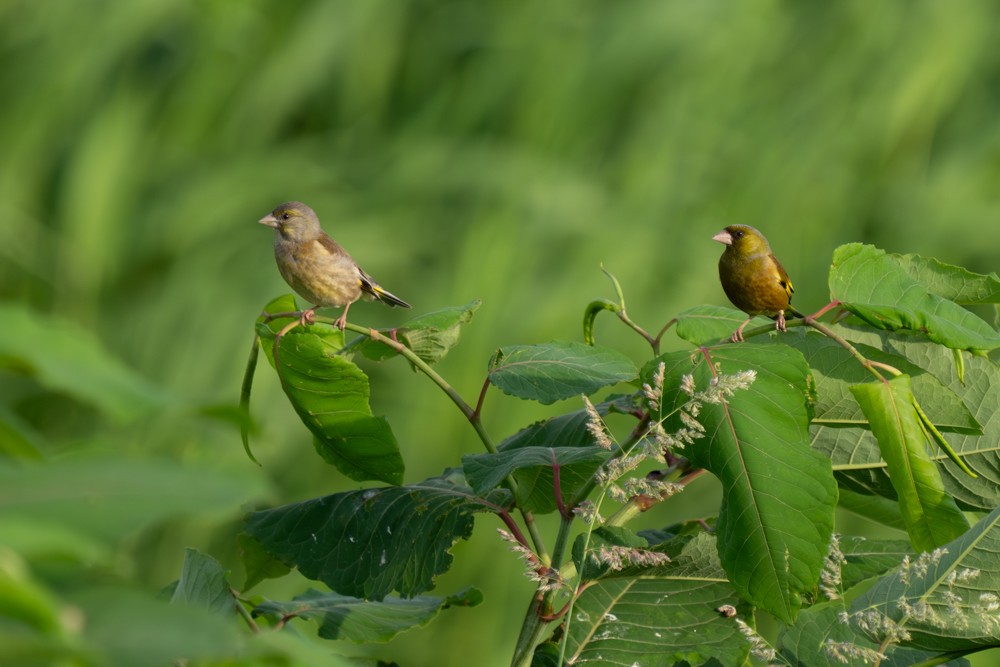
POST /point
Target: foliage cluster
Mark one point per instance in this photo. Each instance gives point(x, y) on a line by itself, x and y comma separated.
point(851, 411)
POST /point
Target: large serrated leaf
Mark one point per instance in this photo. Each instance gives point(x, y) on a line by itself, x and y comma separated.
point(946, 600)
point(659, 617)
point(820, 638)
point(330, 395)
point(855, 454)
point(554, 371)
point(952, 282)
point(430, 336)
point(779, 495)
point(875, 286)
point(368, 543)
point(835, 370)
point(357, 620)
point(930, 514)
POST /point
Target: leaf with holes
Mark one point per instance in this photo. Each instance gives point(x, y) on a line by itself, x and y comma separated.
point(368, 543)
point(344, 617)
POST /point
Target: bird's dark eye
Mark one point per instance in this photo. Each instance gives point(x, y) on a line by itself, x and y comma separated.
point(285, 216)
point(737, 234)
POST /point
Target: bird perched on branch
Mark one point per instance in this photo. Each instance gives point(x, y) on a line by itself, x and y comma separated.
point(316, 266)
point(753, 278)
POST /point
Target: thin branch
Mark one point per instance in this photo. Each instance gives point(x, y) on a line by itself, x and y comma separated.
point(242, 611)
point(557, 488)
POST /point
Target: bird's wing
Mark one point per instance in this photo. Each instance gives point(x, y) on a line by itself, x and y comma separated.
point(782, 276)
point(330, 246)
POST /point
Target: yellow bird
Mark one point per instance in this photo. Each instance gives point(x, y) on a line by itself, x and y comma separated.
point(316, 266)
point(753, 278)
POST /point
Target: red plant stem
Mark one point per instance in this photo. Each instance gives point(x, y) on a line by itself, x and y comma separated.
point(557, 487)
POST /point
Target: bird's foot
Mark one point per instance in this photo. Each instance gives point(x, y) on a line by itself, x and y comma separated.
point(342, 320)
point(780, 324)
point(737, 336)
point(308, 316)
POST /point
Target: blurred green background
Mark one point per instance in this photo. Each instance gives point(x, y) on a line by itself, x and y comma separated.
point(459, 149)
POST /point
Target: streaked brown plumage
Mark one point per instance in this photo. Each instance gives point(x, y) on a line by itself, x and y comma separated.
point(316, 266)
point(753, 278)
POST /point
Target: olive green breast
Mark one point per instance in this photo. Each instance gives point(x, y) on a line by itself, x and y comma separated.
point(755, 284)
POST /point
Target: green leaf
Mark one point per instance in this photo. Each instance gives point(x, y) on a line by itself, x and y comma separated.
point(17, 442)
point(554, 371)
point(343, 617)
point(872, 507)
point(708, 324)
point(66, 358)
point(534, 469)
point(945, 600)
point(158, 633)
point(590, 316)
point(866, 558)
point(659, 616)
point(535, 489)
point(820, 638)
point(203, 584)
point(779, 495)
point(951, 282)
point(39, 540)
point(587, 548)
point(930, 514)
point(246, 422)
point(566, 430)
point(855, 453)
point(876, 287)
point(836, 370)
point(23, 600)
point(430, 336)
point(368, 543)
point(258, 563)
point(330, 395)
point(112, 497)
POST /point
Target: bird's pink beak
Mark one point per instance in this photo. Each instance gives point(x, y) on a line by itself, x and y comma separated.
point(721, 237)
point(269, 220)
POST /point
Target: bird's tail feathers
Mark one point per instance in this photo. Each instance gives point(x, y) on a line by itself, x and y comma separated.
point(388, 297)
point(791, 312)
point(369, 285)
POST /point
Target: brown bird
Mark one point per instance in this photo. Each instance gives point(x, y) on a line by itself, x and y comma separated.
point(316, 266)
point(753, 278)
